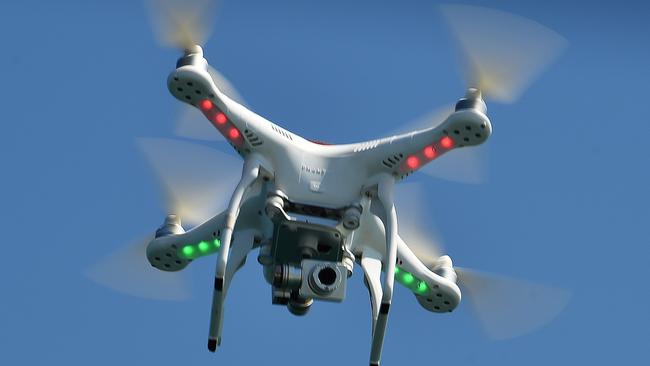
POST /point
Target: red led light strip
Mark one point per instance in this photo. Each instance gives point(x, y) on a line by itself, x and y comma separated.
point(429, 153)
point(220, 121)
point(447, 142)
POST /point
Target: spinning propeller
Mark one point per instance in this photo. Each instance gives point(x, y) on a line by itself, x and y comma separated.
point(182, 24)
point(195, 188)
point(505, 307)
point(188, 174)
point(502, 55)
point(186, 25)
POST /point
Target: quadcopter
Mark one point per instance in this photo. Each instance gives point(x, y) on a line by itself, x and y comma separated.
point(315, 211)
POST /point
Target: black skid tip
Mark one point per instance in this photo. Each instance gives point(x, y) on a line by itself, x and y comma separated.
point(218, 284)
point(374, 364)
point(212, 345)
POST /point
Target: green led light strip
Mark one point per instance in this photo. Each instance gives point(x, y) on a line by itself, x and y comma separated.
point(411, 282)
point(201, 249)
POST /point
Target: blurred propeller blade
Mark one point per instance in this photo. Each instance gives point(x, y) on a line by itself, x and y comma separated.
point(182, 23)
point(225, 86)
point(507, 307)
point(193, 124)
point(431, 119)
point(504, 53)
point(414, 226)
point(128, 271)
point(197, 180)
point(465, 165)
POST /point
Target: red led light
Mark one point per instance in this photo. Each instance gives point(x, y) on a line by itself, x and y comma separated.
point(429, 152)
point(447, 142)
point(233, 133)
point(413, 162)
point(206, 104)
point(220, 118)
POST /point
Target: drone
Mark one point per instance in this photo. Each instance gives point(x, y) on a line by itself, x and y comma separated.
point(314, 211)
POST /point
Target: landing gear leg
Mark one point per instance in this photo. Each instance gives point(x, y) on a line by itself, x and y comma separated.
point(221, 281)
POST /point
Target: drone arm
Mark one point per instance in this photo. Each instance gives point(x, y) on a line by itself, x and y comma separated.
point(174, 252)
point(436, 291)
point(192, 84)
point(403, 154)
point(249, 175)
point(243, 129)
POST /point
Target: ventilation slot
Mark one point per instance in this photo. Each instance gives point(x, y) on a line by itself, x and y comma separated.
point(282, 132)
point(364, 146)
point(403, 176)
point(392, 161)
point(252, 138)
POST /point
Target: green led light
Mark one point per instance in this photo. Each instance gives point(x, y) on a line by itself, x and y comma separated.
point(217, 243)
point(188, 250)
point(422, 286)
point(204, 247)
point(408, 278)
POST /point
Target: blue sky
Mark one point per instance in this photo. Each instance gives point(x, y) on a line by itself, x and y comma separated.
point(566, 203)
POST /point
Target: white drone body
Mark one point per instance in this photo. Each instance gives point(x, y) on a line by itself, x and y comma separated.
point(314, 209)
